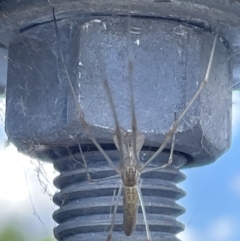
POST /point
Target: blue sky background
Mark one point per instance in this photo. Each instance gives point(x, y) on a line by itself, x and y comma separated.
point(212, 201)
point(213, 194)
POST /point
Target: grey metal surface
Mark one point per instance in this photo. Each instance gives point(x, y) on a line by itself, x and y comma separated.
point(169, 44)
point(3, 69)
point(168, 68)
point(86, 207)
point(20, 15)
point(234, 59)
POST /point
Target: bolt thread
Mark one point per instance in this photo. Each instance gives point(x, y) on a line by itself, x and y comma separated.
point(86, 207)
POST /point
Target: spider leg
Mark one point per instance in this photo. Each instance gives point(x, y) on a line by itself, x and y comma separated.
point(83, 123)
point(176, 122)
